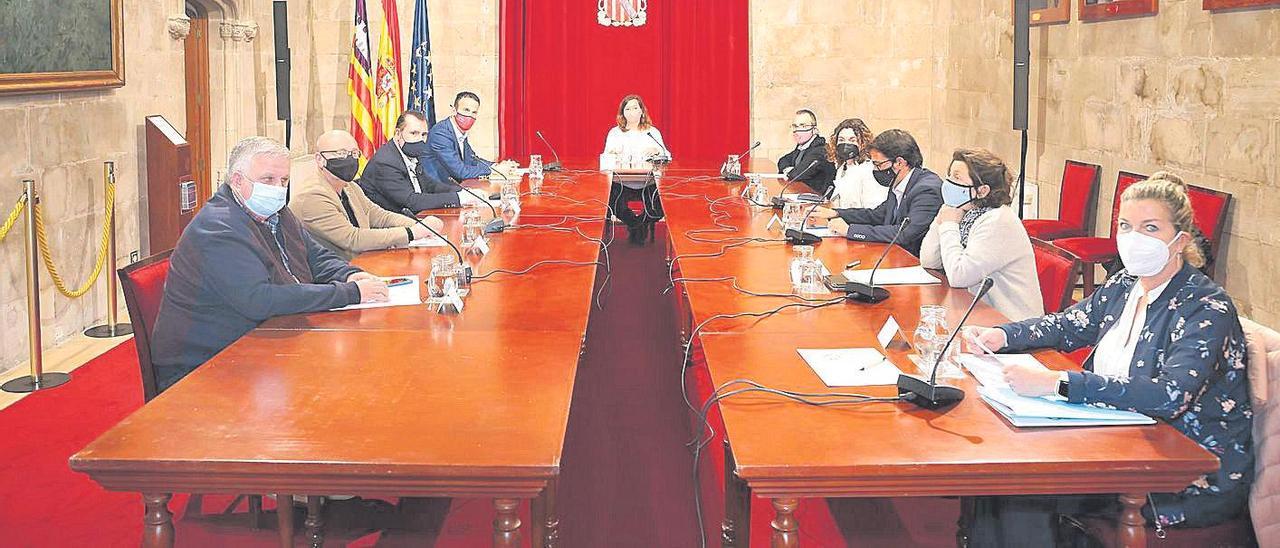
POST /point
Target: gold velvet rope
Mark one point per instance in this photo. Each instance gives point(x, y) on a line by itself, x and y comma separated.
point(47, 256)
point(13, 217)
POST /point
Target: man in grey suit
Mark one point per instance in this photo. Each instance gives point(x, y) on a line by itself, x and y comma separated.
point(916, 193)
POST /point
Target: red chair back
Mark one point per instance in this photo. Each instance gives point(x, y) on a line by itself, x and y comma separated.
point(1056, 269)
point(1080, 183)
point(143, 285)
point(1123, 180)
point(1211, 213)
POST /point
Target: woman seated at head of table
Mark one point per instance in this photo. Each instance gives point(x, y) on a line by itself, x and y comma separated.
point(1167, 343)
point(977, 235)
point(634, 139)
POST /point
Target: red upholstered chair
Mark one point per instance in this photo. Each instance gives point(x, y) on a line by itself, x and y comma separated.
point(1057, 272)
point(1096, 251)
point(1211, 218)
point(143, 286)
point(1076, 210)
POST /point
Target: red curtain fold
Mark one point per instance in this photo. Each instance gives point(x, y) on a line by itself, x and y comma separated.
point(565, 74)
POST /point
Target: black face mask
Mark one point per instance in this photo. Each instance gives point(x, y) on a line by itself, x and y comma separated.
point(885, 176)
point(416, 149)
point(343, 168)
point(845, 151)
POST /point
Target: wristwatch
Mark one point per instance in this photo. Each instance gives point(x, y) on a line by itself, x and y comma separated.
point(1064, 384)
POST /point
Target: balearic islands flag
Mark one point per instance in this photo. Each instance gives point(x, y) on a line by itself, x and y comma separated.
point(360, 87)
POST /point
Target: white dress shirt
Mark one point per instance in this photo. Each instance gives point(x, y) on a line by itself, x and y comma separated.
point(856, 187)
point(1114, 355)
point(412, 164)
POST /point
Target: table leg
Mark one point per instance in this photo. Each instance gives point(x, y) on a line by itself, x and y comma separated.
point(546, 523)
point(315, 521)
point(255, 511)
point(786, 529)
point(506, 525)
point(157, 520)
point(736, 529)
point(284, 519)
point(1132, 532)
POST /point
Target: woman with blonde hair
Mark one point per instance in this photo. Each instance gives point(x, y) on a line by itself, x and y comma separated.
point(976, 235)
point(1167, 343)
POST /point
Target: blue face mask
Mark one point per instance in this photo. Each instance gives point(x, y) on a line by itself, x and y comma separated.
point(266, 200)
point(415, 149)
point(955, 194)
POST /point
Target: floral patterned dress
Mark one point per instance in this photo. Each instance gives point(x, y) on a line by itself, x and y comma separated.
point(1188, 369)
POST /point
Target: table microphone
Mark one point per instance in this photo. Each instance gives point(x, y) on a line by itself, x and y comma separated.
point(778, 202)
point(930, 395)
point(800, 237)
point(724, 172)
point(497, 224)
point(466, 267)
point(660, 160)
point(553, 166)
point(868, 292)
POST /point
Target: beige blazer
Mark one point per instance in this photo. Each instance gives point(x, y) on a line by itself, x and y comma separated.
point(318, 207)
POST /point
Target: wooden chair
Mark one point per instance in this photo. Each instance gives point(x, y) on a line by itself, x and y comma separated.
point(1095, 251)
point(1076, 211)
point(1211, 218)
point(1056, 270)
point(143, 286)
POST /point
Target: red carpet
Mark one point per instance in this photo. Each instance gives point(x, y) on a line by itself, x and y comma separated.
point(627, 477)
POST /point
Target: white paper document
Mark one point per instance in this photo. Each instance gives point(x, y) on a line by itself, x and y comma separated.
point(988, 369)
point(429, 241)
point(822, 232)
point(400, 295)
point(766, 175)
point(911, 275)
point(850, 366)
point(1054, 411)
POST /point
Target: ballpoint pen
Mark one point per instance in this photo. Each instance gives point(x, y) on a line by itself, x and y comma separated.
point(853, 264)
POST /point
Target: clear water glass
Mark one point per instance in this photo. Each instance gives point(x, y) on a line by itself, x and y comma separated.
point(472, 224)
point(510, 195)
point(792, 215)
point(802, 256)
point(931, 335)
point(535, 174)
point(461, 281)
point(443, 267)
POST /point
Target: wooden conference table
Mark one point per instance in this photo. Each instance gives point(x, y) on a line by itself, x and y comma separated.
point(397, 401)
point(402, 401)
point(786, 451)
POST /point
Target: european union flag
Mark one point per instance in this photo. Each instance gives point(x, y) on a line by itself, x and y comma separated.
point(422, 95)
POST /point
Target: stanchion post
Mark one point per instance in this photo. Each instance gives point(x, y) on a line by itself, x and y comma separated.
point(111, 328)
point(38, 380)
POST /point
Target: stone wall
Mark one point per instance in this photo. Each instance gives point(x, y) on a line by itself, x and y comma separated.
point(1186, 90)
point(873, 59)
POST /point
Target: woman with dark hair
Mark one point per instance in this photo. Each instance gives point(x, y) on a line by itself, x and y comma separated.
point(977, 235)
point(634, 140)
point(854, 184)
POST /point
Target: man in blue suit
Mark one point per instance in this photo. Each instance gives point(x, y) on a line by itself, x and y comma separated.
point(915, 192)
point(450, 156)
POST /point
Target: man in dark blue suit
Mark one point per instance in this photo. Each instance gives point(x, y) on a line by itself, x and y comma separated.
point(395, 178)
point(450, 156)
point(915, 192)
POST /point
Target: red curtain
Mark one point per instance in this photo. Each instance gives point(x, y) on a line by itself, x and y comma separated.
point(564, 74)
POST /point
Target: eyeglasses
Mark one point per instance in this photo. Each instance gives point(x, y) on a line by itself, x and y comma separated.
point(339, 154)
point(878, 164)
point(802, 127)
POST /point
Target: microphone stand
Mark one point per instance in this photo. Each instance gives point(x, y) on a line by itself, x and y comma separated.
point(456, 251)
point(800, 237)
point(929, 394)
point(868, 292)
point(724, 172)
point(553, 166)
point(497, 224)
point(778, 202)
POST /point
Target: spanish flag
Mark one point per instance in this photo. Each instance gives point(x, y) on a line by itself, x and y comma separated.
point(388, 93)
point(360, 88)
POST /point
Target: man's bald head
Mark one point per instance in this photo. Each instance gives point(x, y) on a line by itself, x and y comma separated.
point(335, 140)
point(339, 146)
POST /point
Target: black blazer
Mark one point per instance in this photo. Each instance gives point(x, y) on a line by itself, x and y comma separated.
point(386, 182)
point(818, 177)
point(921, 202)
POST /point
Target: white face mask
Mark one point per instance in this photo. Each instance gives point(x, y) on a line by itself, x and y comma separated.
point(1144, 255)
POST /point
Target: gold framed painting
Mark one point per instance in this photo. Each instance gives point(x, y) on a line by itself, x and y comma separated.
point(60, 46)
point(1101, 10)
